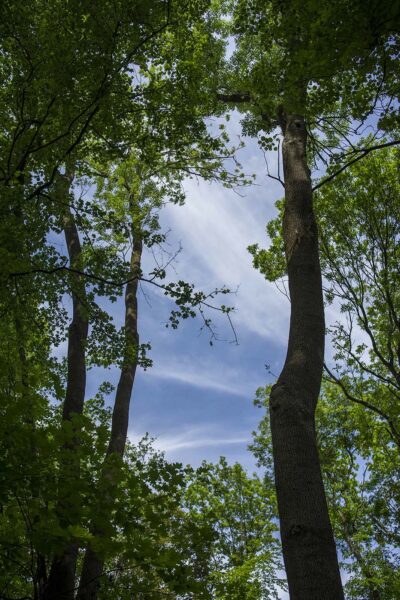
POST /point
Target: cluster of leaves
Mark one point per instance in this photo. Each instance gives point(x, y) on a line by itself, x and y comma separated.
point(102, 119)
point(173, 531)
point(242, 559)
point(104, 113)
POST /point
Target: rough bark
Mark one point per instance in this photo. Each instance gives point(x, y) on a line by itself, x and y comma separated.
point(93, 563)
point(61, 584)
point(307, 540)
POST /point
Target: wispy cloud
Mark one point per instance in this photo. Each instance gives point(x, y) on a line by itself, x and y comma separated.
point(206, 375)
point(216, 227)
point(194, 437)
point(170, 443)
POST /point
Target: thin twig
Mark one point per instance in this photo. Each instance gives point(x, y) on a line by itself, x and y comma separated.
point(363, 152)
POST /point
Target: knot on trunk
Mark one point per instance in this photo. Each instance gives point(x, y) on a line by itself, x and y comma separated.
point(278, 392)
point(295, 530)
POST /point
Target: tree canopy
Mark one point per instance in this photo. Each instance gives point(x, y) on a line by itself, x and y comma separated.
point(107, 110)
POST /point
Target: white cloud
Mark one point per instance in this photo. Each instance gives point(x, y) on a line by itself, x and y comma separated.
point(215, 227)
point(192, 445)
point(197, 437)
point(206, 435)
point(207, 375)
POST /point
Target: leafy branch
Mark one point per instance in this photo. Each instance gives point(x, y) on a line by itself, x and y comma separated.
point(182, 292)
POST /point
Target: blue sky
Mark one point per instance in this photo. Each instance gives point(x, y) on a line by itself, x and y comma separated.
point(197, 399)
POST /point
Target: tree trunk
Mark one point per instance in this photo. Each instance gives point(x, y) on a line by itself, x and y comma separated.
point(93, 563)
point(61, 584)
point(307, 540)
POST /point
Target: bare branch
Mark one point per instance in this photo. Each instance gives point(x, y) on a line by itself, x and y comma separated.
point(363, 152)
point(117, 283)
point(394, 434)
point(277, 178)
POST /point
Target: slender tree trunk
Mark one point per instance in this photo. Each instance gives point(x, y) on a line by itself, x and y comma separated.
point(61, 584)
point(307, 540)
point(93, 563)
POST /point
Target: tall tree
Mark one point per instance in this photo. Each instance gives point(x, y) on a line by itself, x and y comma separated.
point(296, 67)
point(111, 82)
point(142, 197)
point(358, 421)
point(62, 573)
point(358, 217)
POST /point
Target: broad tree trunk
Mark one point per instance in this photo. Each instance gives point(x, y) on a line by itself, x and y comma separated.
point(307, 540)
point(61, 584)
point(93, 563)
